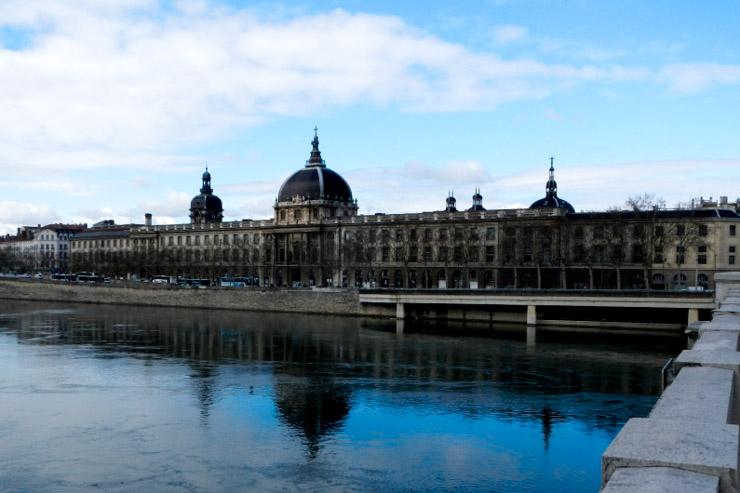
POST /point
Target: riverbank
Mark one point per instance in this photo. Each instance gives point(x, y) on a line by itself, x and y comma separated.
point(331, 302)
point(577, 312)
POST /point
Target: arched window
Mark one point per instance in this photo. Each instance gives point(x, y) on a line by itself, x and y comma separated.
point(703, 280)
point(679, 281)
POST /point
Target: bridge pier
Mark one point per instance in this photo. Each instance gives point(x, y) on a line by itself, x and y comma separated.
point(531, 336)
point(531, 315)
point(400, 311)
point(693, 315)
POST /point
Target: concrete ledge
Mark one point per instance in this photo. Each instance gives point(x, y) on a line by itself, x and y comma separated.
point(697, 394)
point(712, 340)
point(706, 448)
point(722, 358)
point(660, 480)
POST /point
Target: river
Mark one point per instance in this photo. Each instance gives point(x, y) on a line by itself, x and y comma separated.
point(117, 398)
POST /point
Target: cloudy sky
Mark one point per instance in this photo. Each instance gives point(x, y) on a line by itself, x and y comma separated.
point(110, 109)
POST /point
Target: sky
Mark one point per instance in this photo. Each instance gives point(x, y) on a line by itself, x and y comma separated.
point(110, 109)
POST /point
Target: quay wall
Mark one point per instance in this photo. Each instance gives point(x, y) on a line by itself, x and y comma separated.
point(334, 302)
point(689, 442)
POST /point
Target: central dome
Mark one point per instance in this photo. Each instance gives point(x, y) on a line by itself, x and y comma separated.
point(315, 181)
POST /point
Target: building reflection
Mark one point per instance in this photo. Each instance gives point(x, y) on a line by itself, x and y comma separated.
point(313, 359)
point(315, 406)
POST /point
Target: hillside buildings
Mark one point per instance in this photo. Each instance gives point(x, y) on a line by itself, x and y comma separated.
point(317, 238)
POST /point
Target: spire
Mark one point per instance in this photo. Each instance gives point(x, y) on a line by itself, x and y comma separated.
point(451, 202)
point(477, 201)
point(206, 188)
point(552, 186)
point(315, 159)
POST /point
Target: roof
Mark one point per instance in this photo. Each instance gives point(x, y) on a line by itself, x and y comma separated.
point(660, 214)
point(315, 183)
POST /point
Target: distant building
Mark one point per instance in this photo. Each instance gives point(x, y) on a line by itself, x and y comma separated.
point(45, 248)
point(316, 237)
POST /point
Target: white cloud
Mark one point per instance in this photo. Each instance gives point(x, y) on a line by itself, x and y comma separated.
point(509, 33)
point(15, 214)
point(113, 83)
point(694, 77)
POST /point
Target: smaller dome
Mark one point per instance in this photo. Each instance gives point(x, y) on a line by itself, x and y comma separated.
point(206, 207)
point(551, 200)
point(206, 201)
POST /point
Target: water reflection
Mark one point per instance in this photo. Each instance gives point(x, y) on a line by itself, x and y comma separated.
point(353, 386)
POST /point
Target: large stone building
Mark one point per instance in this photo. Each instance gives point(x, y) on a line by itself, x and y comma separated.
point(316, 237)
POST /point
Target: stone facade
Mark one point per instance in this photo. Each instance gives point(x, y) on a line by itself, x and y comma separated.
point(317, 238)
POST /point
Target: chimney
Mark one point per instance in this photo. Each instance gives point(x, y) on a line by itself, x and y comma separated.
point(723, 200)
point(148, 219)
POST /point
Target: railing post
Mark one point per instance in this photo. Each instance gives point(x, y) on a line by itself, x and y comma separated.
point(531, 315)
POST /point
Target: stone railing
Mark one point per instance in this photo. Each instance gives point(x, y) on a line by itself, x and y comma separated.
point(690, 440)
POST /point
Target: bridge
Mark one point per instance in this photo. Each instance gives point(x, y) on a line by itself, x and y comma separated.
point(405, 299)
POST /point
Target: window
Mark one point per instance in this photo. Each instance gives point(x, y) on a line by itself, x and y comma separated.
point(732, 249)
point(490, 253)
point(386, 254)
point(598, 232)
point(398, 254)
point(373, 235)
point(658, 255)
point(659, 231)
point(298, 214)
point(733, 230)
point(427, 254)
point(458, 234)
point(637, 254)
point(703, 230)
point(458, 254)
point(680, 255)
point(443, 234)
point(399, 235)
point(491, 233)
point(442, 253)
point(427, 235)
point(680, 230)
point(282, 215)
point(473, 253)
point(412, 235)
point(413, 254)
point(731, 260)
point(179, 240)
point(702, 255)
point(170, 241)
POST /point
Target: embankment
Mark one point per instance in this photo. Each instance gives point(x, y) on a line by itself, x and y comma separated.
point(273, 300)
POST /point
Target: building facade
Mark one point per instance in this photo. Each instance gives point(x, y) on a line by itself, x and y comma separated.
point(40, 248)
point(317, 238)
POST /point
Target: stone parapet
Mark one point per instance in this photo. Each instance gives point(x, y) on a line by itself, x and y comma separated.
point(691, 439)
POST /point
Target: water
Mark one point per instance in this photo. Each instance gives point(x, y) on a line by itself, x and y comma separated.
point(110, 398)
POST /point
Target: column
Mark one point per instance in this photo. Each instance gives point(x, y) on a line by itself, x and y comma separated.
point(400, 311)
point(693, 315)
point(531, 315)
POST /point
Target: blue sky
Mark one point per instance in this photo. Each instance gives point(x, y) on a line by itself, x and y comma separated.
point(111, 109)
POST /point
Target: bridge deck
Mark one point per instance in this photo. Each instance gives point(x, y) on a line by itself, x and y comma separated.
point(518, 297)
